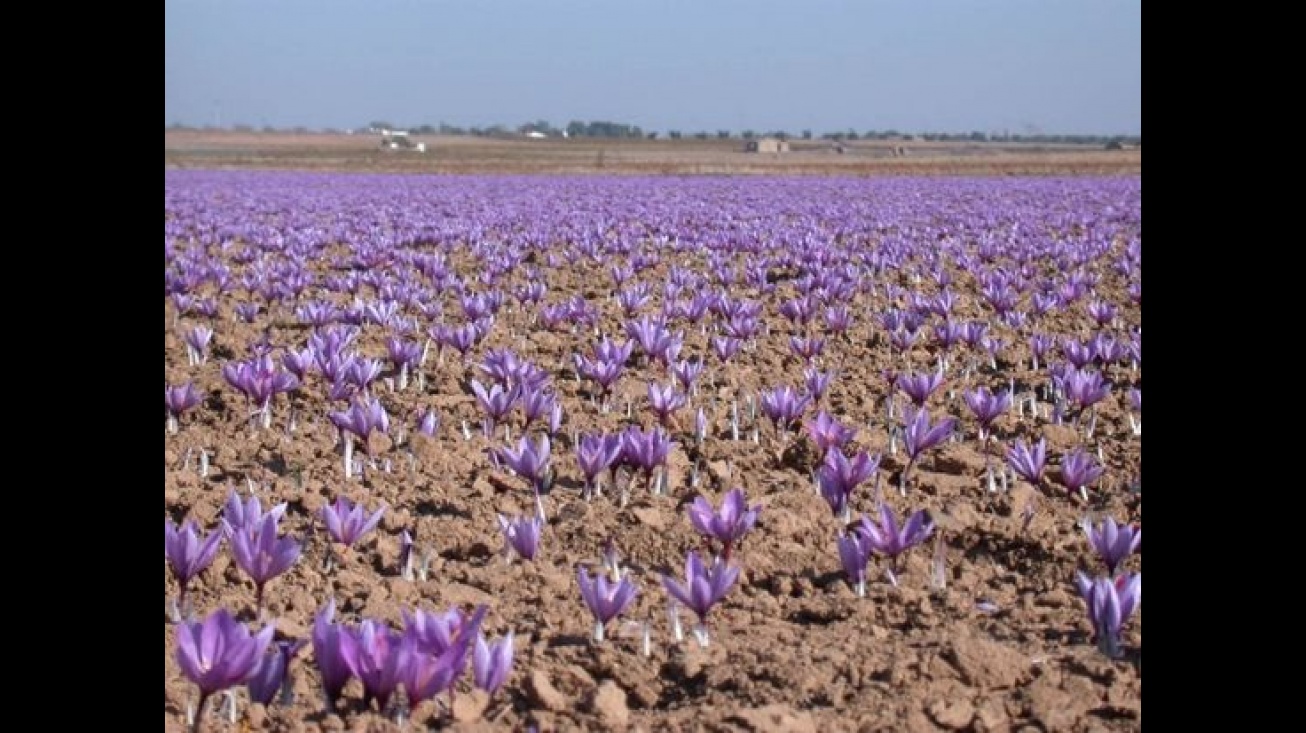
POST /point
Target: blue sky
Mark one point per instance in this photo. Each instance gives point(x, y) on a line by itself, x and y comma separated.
point(1052, 66)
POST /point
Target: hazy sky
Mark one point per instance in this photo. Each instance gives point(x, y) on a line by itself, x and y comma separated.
point(1054, 66)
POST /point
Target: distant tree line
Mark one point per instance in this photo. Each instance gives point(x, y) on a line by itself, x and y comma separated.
point(605, 129)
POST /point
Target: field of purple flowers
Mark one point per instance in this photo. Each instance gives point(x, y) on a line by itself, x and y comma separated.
point(652, 453)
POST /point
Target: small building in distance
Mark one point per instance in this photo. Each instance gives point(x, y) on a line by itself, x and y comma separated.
point(766, 145)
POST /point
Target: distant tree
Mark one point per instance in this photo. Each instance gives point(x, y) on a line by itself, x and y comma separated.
point(242, 127)
point(576, 128)
point(748, 134)
point(852, 134)
point(674, 134)
point(978, 137)
point(807, 134)
point(723, 134)
point(701, 135)
point(380, 125)
point(651, 136)
point(424, 130)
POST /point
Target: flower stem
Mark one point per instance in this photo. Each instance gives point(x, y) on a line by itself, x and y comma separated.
point(197, 724)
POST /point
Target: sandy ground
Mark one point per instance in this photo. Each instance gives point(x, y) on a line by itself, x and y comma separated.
point(1006, 646)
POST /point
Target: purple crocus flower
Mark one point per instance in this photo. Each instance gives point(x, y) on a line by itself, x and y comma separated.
point(425, 674)
point(606, 601)
point(784, 407)
point(1085, 387)
point(429, 423)
point(596, 454)
point(326, 638)
point(177, 400)
point(347, 523)
point(727, 526)
point(299, 363)
point(602, 372)
point(531, 463)
point(1079, 469)
point(259, 380)
point(272, 674)
point(1040, 344)
point(855, 555)
point(919, 387)
point(496, 402)
point(371, 653)
point(645, 450)
point(686, 373)
point(839, 476)
point(1113, 542)
point(817, 382)
point(537, 404)
point(919, 436)
point(218, 653)
point(246, 312)
point(363, 418)
point(362, 372)
point(1110, 603)
point(521, 535)
point(725, 347)
point(827, 433)
point(1028, 461)
point(987, 407)
point(261, 553)
point(806, 349)
point(664, 400)
point(188, 553)
point(405, 355)
point(702, 589)
point(492, 663)
point(890, 540)
point(197, 344)
point(248, 515)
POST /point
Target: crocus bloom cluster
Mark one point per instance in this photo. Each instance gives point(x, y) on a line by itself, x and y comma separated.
point(259, 380)
point(346, 522)
point(426, 658)
point(177, 400)
point(492, 663)
point(605, 600)
point(920, 435)
point(827, 433)
point(1028, 461)
point(218, 653)
point(703, 588)
point(727, 526)
point(885, 537)
point(1113, 542)
point(987, 407)
point(272, 675)
point(596, 454)
point(1079, 469)
point(261, 553)
point(363, 418)
point(521, 535)
point(784, 406)
point(839, 476)
point(1110, 603)
point(188, 553)
point(531, 462)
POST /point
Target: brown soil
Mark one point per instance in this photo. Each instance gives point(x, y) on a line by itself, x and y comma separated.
point(792, 648)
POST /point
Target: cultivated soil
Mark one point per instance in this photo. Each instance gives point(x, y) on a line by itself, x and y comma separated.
point(1006, 646)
